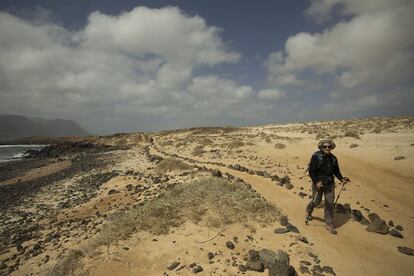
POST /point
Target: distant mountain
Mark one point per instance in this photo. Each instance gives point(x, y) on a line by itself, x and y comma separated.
point(16, 126)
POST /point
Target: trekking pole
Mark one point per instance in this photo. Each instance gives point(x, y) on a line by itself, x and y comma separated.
point(343, 185)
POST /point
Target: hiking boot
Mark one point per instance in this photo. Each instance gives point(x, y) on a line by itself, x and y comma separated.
point(308, 217)
point(330, 228)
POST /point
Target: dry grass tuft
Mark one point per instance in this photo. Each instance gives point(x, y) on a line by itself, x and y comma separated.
point(198, 150)
point(171, 164)
point(352, 134)
point(280, 146)
point(235, 144)
point(211, 201)
point(68, 264)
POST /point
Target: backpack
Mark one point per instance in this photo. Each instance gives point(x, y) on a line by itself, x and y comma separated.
point(319, 154)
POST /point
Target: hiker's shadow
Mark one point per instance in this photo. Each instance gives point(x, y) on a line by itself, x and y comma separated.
point(339, 219)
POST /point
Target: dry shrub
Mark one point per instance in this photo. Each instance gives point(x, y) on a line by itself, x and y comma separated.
point(268, 140)
point(280, 146)
point(68, 264)
point(320, 136)
point(377, 129)
point(205, 142)
point(171, 164)
point(235, 144)
point(167, 143)
point(210, 201)
point(353, 134)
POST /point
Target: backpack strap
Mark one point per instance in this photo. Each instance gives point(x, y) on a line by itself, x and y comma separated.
point(319, 154)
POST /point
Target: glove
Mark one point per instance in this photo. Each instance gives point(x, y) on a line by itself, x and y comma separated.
point(319, 185)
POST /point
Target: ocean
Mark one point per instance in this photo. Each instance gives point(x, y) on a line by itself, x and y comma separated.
point(15, 152)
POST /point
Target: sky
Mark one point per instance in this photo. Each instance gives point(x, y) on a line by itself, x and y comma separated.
point(125, 66)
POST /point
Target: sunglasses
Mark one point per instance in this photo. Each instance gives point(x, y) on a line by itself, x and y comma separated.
point(326, 146)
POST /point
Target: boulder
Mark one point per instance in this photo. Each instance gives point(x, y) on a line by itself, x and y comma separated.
point(268, 257)
point(255, 266)
point(173, 265)
point(281, 269)
point(396, 233)
point(377, 224)
point(406, 250)
point(358, 216)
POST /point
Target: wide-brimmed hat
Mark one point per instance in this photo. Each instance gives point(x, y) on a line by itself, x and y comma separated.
point(326, 141)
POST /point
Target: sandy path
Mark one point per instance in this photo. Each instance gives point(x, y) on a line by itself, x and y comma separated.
point(353, 251)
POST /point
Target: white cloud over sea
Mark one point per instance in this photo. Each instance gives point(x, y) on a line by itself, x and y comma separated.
point(134, 69)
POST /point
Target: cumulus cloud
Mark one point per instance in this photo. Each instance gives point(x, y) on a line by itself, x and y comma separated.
point(132, 71)
point(368, 55)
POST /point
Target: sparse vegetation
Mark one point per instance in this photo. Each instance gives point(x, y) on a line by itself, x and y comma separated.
point(67, 264)
point(280, 146)
point(353, 134)
point(235, 144)
point(213, 201)
point(171, 164)
point(198, 150)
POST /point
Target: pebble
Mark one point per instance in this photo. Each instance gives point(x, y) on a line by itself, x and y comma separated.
point(173, 265)
point(406, 250)
point(230, 245)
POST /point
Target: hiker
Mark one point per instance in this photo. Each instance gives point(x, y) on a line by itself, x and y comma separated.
point(322, 168)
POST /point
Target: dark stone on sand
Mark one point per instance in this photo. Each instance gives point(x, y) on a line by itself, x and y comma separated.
point(267, 257)
point(292, 228)
point(197, 269)
point(255, 266)
point(328, 269)
point(113, 191)
point(283, 220)
point(289, 186)
point(216, 173)
point(406, 250)
point(281, 269)
point(399, 227)
point(377, 225)
point(302, 194)
point(280, 230)
point(242, 268)
point(210, 255)
point(230, 245)
point(305, 262)
point(253, 255)
point(285, 179)
point(396, 233)
point(303, 239)
point(304, 269)
point(173, 265)
point(358, 216)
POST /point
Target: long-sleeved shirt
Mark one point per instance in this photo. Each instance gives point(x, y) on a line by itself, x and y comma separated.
point(326, 171)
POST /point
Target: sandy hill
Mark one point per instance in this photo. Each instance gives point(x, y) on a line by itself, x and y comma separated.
point(213, 201)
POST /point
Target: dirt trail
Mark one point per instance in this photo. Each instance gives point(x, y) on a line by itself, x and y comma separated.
point(353, 251)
